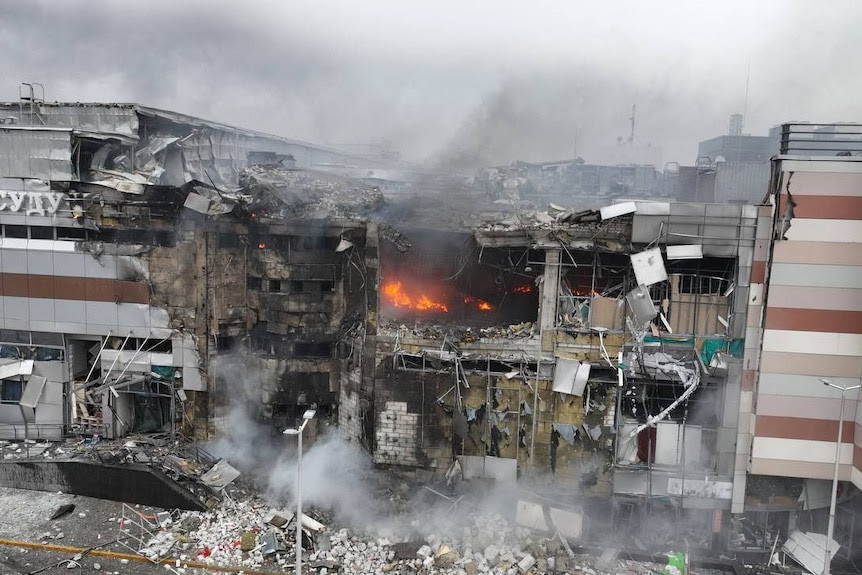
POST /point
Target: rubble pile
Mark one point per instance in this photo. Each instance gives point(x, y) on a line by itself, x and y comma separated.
point(458, 334)
point(251, 535)
point(282, 192)
point(183, 461)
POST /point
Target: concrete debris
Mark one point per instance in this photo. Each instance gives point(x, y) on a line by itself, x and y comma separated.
point(608, 560)
point(220, 475)
point(459, 334)
point(395, 237)
point(277, 192)
point(62, 511)
point(527, 563)
point(809, 550)
point(642, 306)
point(278, 518)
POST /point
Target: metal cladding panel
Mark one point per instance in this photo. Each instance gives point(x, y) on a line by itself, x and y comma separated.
point(847, 231)
point(646, 229)
point(119, 119)
point(44, 154)
point(69, 265)
point(732, 211)
point(742, 181)
point(652, 209)
point(787, 384)
point(40, 263)
point(133, 316)
point(41, 310)
point(812, 275)
point(811, 364)
point(687, 209)
point(789, 341)
point(807, 182)
point(803, 407)
point(802, 297)
point(814, 252)
point(101, 313)
point(16, 308)
point(103, 267)
point(71, 311)
point(13, 261)
point(795, 449)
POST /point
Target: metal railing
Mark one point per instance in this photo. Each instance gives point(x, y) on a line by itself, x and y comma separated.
point(821, 139)
point(21, 431)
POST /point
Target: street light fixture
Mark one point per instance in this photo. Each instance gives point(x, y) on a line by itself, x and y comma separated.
point(306, 417)
point(830, 530)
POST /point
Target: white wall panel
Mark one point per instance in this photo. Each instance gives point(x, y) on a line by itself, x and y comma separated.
point(845, 277)
point(41, 309)
point(800, 450)
point(804, 385)
point(812, 342)
point(16, 308)
point(803, 407)
point(845, 231)
point(74, 311)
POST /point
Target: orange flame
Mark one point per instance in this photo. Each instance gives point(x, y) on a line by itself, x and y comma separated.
point(480, 303)
point(397, 296)
point(261, 245)
point(523, 289)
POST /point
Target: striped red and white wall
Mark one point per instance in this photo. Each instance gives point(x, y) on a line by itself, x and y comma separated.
point(811, 327)
point(53, 286)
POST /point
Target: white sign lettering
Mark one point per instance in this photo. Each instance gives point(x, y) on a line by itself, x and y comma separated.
point(33, 203)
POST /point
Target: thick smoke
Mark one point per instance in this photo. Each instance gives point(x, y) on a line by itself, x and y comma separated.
point(338, 476)
point(454, 82)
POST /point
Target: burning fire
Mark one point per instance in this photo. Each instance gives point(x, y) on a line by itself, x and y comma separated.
point(480, 303)
point(522, 289)
point(398, 296)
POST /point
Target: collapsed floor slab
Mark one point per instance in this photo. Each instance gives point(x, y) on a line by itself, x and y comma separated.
point(127, 483)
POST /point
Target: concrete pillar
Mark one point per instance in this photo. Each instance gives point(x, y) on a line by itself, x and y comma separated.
point(549, 297)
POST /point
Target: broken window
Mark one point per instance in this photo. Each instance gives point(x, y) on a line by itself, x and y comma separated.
point(71, 233)
point(591, 285)
point(703, 285)
point(137, 236)
point(254, 283)
point(11, 391)
point(227, 240)
point(311, 286)
point(312, 349)
point(316, 243)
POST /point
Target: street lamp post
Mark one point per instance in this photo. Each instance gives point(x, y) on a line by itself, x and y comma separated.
point(830, 530)
point(306, 417)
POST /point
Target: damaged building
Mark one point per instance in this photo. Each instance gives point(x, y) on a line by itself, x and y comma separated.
point(596, 354)
point(137, 244)
point(158, 269)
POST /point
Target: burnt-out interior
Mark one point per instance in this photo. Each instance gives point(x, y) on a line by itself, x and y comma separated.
point(447, 277)
point(595, 272)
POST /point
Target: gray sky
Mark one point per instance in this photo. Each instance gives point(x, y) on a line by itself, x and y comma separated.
point(490, 81)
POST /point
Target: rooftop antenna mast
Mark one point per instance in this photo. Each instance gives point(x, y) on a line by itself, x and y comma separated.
point(744, 114)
